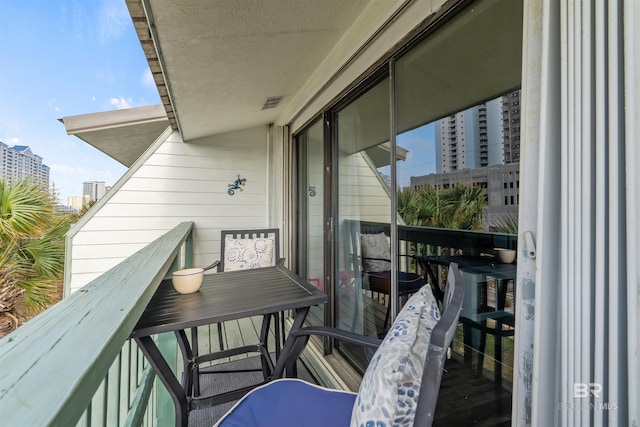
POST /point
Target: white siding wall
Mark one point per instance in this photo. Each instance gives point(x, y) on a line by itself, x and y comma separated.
point(178, 182)
point(361, 191)
point(362, 195)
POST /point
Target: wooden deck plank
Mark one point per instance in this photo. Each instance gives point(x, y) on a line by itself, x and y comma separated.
point(256, 322)
point(233, 338)
point(248, 333)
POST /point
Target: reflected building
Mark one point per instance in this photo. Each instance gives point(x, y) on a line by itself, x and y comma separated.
point(480, 146)
point(471, 138)
point(500, 183)
point(511, 127)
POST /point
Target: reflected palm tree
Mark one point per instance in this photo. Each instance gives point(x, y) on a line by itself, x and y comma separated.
point(457, 207)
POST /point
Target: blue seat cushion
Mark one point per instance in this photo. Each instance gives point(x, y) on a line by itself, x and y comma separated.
point(291, 402)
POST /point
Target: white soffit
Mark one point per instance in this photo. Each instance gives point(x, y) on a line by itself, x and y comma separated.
point(222, 59)
point(121, 134)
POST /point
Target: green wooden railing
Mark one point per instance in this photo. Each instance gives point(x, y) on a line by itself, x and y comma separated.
point(74, 364)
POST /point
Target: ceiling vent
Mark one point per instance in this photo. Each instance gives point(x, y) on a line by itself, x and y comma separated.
point(272, 102)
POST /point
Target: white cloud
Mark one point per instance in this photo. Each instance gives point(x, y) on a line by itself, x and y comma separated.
point(121, 103)
point(147, 79)
point(113, 20)
point(14, 141)
point(93, 98)
point(67, 171)
point(52, 104)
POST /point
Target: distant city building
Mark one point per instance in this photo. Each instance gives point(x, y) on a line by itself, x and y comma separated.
point(485, 135)
point(500, 184)
point(19, 162)
point(94, 189)
point(386, 179)
point(480, 146)
point(62, 209)
point(78, 202)
point(470, 139)
point(511, 126)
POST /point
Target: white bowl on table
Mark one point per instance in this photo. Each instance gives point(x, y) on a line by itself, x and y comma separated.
point(187, 281)
point(504, 256)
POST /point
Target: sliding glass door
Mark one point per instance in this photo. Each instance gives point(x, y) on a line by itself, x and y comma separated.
point(361, 132)
point(451, 147)
point(311, 256)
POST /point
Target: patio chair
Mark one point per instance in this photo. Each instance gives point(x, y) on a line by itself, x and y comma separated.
point(240, 250)
point(245, 249)
point(375, 265)
point(400, 387)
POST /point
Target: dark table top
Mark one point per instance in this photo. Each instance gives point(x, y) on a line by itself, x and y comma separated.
point(476, 265)
point(227, 296)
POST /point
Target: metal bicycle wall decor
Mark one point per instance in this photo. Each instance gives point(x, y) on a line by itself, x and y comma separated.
point(236, 185)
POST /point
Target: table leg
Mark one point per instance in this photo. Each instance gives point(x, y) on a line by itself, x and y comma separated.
point(292, 346)
point(264, 337)
point(164, 372)
point(497, 354)
point(190, 374)
point(196, 368)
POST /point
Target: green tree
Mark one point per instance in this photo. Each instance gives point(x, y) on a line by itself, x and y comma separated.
point(86, 207)
point(31, 246)
point(457, 207)
point(506, 224)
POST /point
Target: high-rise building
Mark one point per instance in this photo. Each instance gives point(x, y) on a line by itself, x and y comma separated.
point(511, 126)
point(480, 146)
point(94, 189)
point(19, 162)
point(470, 139)
point(485, 135)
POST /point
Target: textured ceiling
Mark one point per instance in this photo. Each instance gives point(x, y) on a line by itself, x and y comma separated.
point(223, 59)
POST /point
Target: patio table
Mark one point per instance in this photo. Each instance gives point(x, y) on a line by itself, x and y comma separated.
point(223, 296)
point(476, 310)
point(477, 267)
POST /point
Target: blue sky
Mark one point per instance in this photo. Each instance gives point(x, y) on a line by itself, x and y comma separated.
point(61, 58)
point(66, 57)
point(421, 158)
point(421, 155)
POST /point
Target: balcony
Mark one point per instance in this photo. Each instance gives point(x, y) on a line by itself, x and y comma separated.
point(96, 376)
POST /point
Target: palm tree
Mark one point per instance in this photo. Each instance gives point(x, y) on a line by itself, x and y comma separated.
point(462, 207)
point(506, 224)
point(31, 248)
point(457, 207)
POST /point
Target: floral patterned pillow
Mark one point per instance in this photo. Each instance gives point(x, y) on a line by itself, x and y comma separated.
point(241, 254)
point(375, 246)
point(390, 387)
